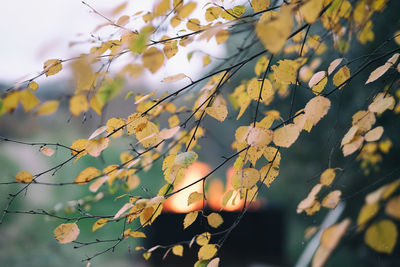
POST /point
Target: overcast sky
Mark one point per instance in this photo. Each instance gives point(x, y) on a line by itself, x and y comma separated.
point(34, 31)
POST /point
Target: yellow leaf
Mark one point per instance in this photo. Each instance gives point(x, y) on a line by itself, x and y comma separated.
point(341, 76)
point(227, 196)
point(228, 14)
point(329, 240)
point(214, 220)
point(222, 36)
point(243, 101)
point(272, 154)
point(308, 201)
point(185, 11)
point(133, 70)
point(317, 108)
point(385, 146)
point(364, 120)
point(273, 32)
point(161, 8)
point(313, 208)
point(331, 200)
point(96, 146)
point(254, 87)
point(137, 234)
point(174, 78)
point(149, 135)
point(146, 255)
point(52, 66)
point(397, 38)
point(98, 183)
point(194, 197)
point(66, 233)
point(95, 104)
point(381, 236)
point(79, 146)
point(241, 133)
point(261, 65)
point(136, 123)
point(382, 69)
point(249, 177)
point(327, 177)
point(316, 78)
point(123, 20)
point(353, 146)
point(114, 124)
point(317, 89)
point(78, 104)
point(206, 60)
point(24, 177)
point(259, 5)
point(173, 121)
point(203, 239)
point(153, 59)
point(193, 25)
point(374, 134)
point(381, 103)
point(367, 212)
point(84, 76)
point(28, 100)
point(393, 207)
point(286, 135)
point(212, 13)
point(218, 112)
point(48, 107)
point(99, 223)
point(269, 173)
point(47, 151)
point(33, 85)
point(206, 252)
point(259, 136)
point(177, 250)
point(332, 235)
point(334, 65)
point(149, 214)
point(171, 48)
point(10, 101)
point(390, 189)
point(311, 9)
point(87, 175)
point(189, 219)
point(286, 72)
point(349, 136)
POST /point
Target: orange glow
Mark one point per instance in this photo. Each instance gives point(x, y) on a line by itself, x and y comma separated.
point(216, 194)
point(178, 202)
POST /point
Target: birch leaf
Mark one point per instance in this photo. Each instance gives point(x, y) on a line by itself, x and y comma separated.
point(214, 220)
point(189, 219)
point(24, 177)
point(177, 250)
point(382, 236)
point(206, 252)
point(66, 233)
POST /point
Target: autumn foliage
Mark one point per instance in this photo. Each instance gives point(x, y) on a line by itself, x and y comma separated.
point(292, 46)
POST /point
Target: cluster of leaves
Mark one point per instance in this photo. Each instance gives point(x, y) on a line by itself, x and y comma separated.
point(286, 33)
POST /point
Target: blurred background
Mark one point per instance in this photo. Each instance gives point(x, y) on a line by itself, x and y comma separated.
point(35, 31)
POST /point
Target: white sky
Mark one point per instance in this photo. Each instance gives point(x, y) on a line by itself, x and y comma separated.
point(34, 31)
